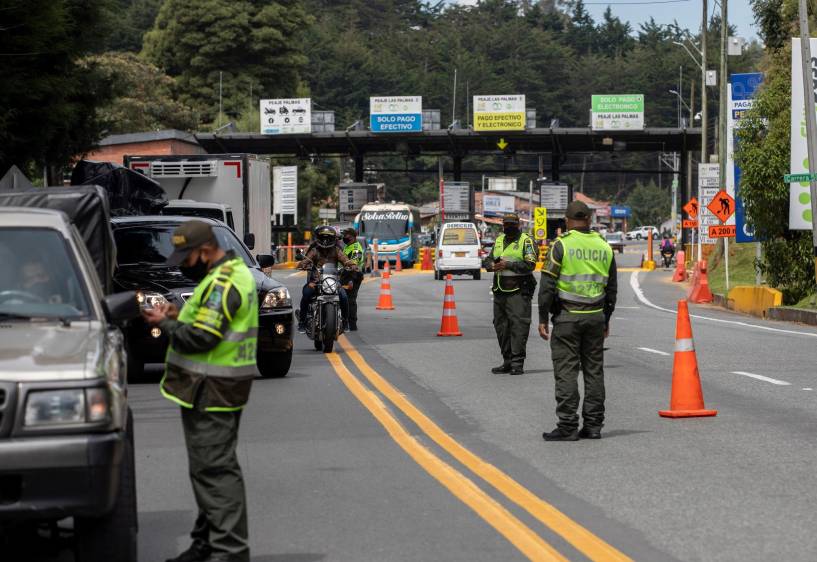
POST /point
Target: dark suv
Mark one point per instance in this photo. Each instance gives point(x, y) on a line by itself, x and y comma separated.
point(143, 244)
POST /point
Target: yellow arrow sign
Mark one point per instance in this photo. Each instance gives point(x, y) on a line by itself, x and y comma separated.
point(502, 144)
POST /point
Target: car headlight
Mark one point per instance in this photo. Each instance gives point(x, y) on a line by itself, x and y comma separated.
point(66, 406)
point(277, 298)
point(149, 299)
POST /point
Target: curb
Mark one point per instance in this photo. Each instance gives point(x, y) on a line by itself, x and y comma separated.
point(790, 314)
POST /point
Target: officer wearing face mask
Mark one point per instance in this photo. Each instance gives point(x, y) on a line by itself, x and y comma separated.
point(513, 261)
point(210, 367)
point(352, 279)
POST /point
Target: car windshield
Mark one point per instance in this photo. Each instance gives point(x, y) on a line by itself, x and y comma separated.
point(42, 281)
point(459, 237)
point(151, 244)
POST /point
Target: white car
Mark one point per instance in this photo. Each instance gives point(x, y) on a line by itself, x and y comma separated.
point(458, 250)
point(642, 233)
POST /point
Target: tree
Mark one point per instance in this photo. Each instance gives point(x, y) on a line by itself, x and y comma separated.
point(253, 44)
point(650, 204)
point(47, 100)
point(145, 98)
point(128, 21)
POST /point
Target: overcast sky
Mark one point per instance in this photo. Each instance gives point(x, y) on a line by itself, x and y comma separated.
point(687, 12)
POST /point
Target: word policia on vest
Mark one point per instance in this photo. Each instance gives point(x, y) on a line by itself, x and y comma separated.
point(597, 255)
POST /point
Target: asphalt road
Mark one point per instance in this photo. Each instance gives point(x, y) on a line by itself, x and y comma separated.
point(403, 446)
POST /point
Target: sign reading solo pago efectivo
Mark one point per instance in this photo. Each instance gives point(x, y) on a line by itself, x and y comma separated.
point(396, 114)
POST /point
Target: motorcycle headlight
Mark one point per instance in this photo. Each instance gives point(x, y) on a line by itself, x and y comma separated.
point(277, 298)
point(66, 406)
point(149, 299)
point(329, 286)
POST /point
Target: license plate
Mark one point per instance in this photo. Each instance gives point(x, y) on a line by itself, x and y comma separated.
point(460, 254)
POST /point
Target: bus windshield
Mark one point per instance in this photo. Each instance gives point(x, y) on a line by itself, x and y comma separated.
point(384, 225)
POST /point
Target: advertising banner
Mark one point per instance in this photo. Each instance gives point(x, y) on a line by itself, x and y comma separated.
point(799, 195)
point(742, 90)
point(499, 113)
point(396, 114)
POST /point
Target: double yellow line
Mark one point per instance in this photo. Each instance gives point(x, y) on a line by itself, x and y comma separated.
point(515, 531)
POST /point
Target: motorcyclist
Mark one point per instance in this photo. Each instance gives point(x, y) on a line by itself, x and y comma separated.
point(325, 249)
point(667, 249)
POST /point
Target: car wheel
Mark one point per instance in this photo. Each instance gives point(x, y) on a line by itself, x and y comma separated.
point(477, 275)
point(113, 536)
point(275, 365)
point(638, 237)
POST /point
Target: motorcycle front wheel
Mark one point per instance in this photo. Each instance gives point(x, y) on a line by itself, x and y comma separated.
point(330, 331)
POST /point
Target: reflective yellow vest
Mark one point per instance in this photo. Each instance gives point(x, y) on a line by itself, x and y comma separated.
point(514, 252)
point(584, 270)
point(350, 250)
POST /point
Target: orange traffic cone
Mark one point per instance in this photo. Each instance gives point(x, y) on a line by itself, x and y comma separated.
point(449, 326)
point(699, 292)
point(680, 267)
point(398, 264)
point(385, 303)
point(427, 265)
point(687, 398)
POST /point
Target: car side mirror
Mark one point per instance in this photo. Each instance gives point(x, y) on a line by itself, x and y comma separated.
point(249, 240)
point(265, 260)
point(121, 307)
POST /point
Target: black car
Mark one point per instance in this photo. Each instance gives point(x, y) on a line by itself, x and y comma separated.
point(143, 244)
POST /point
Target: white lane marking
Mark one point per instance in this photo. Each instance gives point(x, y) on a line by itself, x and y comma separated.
point(808, 388)
point(762, 378)
point(628, 308)
point(650, 350)
point(295, 274)
point(639, 293)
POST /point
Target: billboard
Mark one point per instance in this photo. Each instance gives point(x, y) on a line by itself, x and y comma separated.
point(286, 116)
point(498, 205)
point(499, 113)
point(617, 112)
point(742, 90)
point(396, 114)
point(799, 193)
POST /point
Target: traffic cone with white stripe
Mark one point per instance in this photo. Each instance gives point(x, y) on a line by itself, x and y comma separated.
point(385, 302)
point(687, 398)
point(449, 326)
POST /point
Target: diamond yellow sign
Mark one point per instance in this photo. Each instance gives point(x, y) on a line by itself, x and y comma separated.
point(540, 223)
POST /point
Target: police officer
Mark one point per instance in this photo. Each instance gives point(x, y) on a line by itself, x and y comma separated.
point(578, 290)
point(210, 367)
point(513, 261)
point(352, 279)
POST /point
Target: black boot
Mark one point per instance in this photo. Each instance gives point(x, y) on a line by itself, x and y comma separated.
point(353, 325)
point(502, 369)
point(561, 434)
point(590, 433)
point(198, 552)
point(517, 371)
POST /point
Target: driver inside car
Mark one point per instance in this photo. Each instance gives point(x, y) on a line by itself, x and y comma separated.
point(324, 250)
point(37, 280)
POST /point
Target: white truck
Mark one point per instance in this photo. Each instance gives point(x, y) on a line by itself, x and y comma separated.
point(233, 188)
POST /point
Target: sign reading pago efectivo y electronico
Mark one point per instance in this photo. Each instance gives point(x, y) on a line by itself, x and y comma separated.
point(396, 114)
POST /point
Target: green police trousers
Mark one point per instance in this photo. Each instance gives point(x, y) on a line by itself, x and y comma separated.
point(512, 324)
point(577, 343)
point(218, 485)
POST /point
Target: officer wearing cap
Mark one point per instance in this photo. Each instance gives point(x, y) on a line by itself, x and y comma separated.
point(578, 291)
point(210, 367)
point(513, 261)
point(352, 279)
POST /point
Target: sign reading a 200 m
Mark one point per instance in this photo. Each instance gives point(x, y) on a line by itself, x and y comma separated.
point(396, 114)
point(286, 116)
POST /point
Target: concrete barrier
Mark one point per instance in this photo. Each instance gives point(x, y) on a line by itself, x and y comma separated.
point(791, 314)
point(755, 300)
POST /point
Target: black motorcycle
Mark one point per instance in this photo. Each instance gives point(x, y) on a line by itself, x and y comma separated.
point(324, 322)
point(667, 256)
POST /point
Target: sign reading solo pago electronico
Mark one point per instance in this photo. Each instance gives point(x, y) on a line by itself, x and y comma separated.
point(618, 112)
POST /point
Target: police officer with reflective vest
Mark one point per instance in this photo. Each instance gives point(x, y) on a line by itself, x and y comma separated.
point(353, 279)
point(513, 261)
point(578, 291)
point(210, 367)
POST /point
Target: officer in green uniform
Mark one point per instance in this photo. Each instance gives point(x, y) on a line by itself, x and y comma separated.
point(210, 367)
point(513, 261)
point(353, 279)
point(578, 290)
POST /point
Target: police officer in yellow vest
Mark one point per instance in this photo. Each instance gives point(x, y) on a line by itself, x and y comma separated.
point(513, 261)
point(210, 367)
point(352, 279)
point(578, 290)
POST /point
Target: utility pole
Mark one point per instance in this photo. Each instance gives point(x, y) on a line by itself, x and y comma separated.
point(811, 119)
point(704, 112)
point(723, 121)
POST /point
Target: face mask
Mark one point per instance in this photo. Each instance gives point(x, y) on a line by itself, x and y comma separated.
point(195, 272)
point(348, 240)
point(510, 230)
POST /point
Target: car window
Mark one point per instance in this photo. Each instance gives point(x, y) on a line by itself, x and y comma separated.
point(459, 237)
point(151, 244)
point(44, 281)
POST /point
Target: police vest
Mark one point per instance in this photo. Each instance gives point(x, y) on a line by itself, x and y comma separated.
point(584, 270)
point(514, 252)
point(234, 356)
point(351, 249)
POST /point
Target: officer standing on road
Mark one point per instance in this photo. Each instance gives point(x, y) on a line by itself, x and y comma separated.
point(578, 289)
point(513, 261)
point(353, 279)
point(210, 367)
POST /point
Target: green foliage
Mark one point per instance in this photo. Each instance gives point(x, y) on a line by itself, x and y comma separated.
point(128, 21)
point(255, 44)
point(649, 203)
point(47, 99)
point(145, 96)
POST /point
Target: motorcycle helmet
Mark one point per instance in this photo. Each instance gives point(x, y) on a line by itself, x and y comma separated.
point(326, 237)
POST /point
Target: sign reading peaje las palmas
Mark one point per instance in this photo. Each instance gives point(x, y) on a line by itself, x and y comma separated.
point(499, 113)
point(286, 116)
point(396, 114)
point(617, 112)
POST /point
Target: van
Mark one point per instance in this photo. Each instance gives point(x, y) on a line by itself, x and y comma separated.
point(458, 250)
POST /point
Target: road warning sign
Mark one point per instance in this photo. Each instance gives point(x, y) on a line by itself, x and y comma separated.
point(540, 223)
point(689, 223)
point(691, 209)
point(722, 231)
point(722, 206)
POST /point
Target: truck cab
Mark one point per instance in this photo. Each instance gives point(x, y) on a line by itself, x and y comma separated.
point(191, 208)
